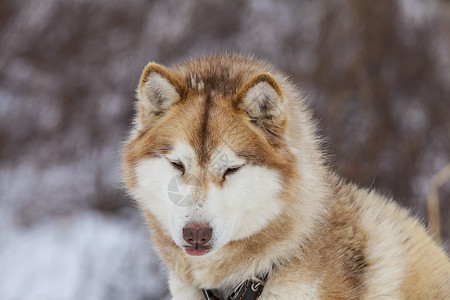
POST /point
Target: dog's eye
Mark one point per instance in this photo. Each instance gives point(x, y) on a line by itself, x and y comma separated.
point(230, 171)
point(178, 166)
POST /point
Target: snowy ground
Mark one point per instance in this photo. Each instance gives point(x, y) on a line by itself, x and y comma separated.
point(84, 256)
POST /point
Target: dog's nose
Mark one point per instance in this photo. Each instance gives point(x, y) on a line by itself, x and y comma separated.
point(197, 234)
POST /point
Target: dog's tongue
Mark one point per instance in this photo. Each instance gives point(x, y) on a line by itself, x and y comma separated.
point(195, 252)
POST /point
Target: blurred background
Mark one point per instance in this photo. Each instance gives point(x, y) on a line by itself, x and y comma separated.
point(376, 74)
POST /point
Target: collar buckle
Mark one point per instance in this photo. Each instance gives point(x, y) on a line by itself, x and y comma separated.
point(247, 289)
point(235, 293)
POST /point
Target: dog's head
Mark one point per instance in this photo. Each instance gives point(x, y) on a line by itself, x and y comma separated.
point(208, 157)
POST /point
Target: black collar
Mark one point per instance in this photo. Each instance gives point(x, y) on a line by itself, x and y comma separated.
point(247, 290)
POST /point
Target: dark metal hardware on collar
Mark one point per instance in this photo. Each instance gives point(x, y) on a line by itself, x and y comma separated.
point(247, 290)
point(233, 295)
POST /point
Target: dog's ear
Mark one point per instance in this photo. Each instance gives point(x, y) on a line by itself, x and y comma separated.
point(159, 88)
point(261, 98)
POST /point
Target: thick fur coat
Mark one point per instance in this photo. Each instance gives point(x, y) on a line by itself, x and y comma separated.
point(237, 136)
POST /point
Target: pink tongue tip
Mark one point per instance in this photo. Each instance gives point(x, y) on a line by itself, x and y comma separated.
point(195, 252)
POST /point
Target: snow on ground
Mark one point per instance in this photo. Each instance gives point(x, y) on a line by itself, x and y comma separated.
point(82, 256)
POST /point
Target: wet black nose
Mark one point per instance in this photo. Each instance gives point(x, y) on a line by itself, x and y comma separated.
point(197, 234)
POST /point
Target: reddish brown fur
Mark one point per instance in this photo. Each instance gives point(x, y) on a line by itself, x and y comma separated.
point(332, 249)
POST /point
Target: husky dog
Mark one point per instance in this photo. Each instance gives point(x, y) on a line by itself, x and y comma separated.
point(226, 166)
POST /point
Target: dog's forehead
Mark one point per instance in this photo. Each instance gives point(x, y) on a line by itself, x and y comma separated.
point(206, 124)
